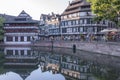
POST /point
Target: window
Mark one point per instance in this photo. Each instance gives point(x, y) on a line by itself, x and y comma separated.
point(7, 25)
point(103, 22)
point(81, 29)
point(85, 21)
point(63, 23)
point(90, 29)
point(16, 38)
point(82, 13)
point(69, 30)
point(85, 7)
point(16, 52)
point(74, 22)
point(9, 52)
point(88, 21)
point(69, 22)
point(77, 22)
point(22, 38)
point(95, 28)
point(66, 23)
point(85, 29)
point(74, 14)
point(9, 38)
point(75, 29)
point(28, 52)
point(28, 38)
point(22, 52)
point(81, 21)
point(64, 30)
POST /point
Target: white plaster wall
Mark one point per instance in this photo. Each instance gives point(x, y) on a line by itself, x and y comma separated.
point(17, 43)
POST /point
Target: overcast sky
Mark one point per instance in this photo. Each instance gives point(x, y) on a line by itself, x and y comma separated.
point(33, 7)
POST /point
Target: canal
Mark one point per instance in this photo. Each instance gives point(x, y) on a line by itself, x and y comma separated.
point(44, 63)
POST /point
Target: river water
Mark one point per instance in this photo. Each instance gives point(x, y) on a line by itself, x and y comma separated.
point(85, 66)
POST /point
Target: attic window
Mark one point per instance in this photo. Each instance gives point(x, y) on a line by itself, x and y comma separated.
point(83, 7)
point(20, 19)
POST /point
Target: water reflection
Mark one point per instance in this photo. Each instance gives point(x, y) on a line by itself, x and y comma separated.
point(48, 75)
point(10, 76)
point(85, 66)
point(20, 57)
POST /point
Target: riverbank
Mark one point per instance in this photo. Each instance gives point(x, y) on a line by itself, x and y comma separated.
point(108, 48)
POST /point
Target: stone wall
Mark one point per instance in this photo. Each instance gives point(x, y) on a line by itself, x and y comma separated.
point(95, 47)
point(108, 60)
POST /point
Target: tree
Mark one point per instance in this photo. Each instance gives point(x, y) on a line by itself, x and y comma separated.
point(106, 10)
point(1, 28)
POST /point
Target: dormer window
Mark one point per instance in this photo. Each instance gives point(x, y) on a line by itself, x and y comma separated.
point(84, 7)
point(20, 19)
point(23, 16)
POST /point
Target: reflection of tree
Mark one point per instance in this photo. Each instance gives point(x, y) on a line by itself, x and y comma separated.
point(104, 73)
point(2, 59)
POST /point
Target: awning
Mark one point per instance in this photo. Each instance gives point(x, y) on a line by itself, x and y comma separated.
point(110, 30)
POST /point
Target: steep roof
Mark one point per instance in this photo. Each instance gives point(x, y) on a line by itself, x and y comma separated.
point(24, 14)
point(74, 6)
point(49, 16)
point(23, 17)
point(7, 17)
point(44, 16)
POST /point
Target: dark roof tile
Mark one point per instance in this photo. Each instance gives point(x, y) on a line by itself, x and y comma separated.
point(74, 6)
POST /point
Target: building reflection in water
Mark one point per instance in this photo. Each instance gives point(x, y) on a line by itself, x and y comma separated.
point(21, 60)
point(20, 57)
point(70, 66)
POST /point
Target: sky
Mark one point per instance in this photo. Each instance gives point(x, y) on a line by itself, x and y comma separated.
point(33, 7)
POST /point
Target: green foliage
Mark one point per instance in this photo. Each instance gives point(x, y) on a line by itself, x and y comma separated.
point(1, 70)
point(2, 59)
point(1, 28)
point(106, 9)
point(104, 73)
